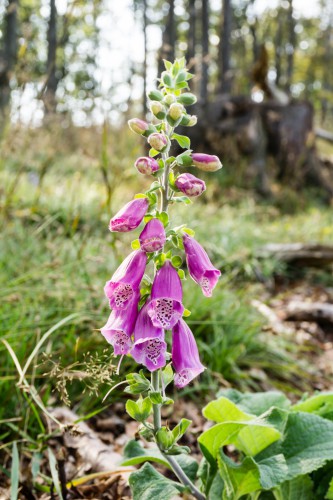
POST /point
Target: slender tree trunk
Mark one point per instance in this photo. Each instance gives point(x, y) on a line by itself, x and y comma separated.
point(191, 37)
point(168, 37)
point(8, 53)
point(205, 52)
point(224, 48)
point(291, 46)
point(52, 81)
point(278, 50)
point(144, 14)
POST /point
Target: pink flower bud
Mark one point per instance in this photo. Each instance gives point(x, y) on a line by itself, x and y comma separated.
point(208, 163)
point(138, 126)
point(176, 110)
point(190, 185)
point(146, 165)
point(130, 216)
point(158, 141)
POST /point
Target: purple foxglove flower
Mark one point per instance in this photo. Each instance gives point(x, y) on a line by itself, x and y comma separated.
point(185, 355)
point(152, 237)
point(122, 287)
point(158, 141)
point(119, 327)
point(146, 165)
point(208, 163)
point(149, 346)
point(166, 306)
point(190, 185)
point(138, 126)
point(130, 216)
point(200, 267)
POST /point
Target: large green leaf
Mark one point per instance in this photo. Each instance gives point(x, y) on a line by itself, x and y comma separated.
point(224, 410)
point(256, 403)
point(329, 494)
point(251, 437)
point(239, 479)
point(300, 488)
point(306, 444)
point(148, 484)
point(321, 404)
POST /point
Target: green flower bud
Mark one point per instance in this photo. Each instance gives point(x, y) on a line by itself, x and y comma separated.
point(155, 95)
point(193, 121)
point(165, 438)
point(166, 79)
point(176, 110)
point(169, 99)
point(187, 99)
point(157, 109)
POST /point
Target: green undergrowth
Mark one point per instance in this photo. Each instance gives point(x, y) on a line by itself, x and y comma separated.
point(56, 253)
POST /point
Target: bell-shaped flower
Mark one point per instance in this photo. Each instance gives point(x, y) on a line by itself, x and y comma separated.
point(130, 216)
point(199, 265)
point(149, 346)
point(185, 355)
point(190, 184)
point(166, 306)
point(122, 287)
point(153, 236)
point(120, 326)
point(208, 163)
point(146, 165)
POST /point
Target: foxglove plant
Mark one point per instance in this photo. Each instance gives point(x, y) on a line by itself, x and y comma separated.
point(144, 308)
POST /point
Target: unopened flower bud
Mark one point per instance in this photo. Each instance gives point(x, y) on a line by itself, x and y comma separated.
point(157, 109)
point(146, 165)
point(169, 99)
point(138, 126)
point(208, 163)
point(193, 121)
point(176, 110)
point(165, 438)
point(155, 95)
point(190, 185)
point(187, 99)
point(158, 141)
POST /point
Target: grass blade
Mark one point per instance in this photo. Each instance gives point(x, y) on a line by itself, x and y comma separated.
point(15, 473)
point(54, 473)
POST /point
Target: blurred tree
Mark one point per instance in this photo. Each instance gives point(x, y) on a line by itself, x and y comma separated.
point(8, 52)
point(205, 51)
point(167, 50)
point(224, 47)
point(52, 78)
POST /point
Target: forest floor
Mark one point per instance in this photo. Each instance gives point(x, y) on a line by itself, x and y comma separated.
point(55, 255)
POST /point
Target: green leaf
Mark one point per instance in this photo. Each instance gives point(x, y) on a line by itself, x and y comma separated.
point(255, 403)
point(176, 261)
point(153, 152)
point(320, 404)
point(306, 444)
point(239, 479)
point(184, 160)
point(182, 199)
point(179, 430)
point(183, 140)
point(14, 473)
point(140, 195)
point(181, 77)
point(155, 398)
point(163, 217)
point(135, 454)
point(181, 274)
point(167, 64)
point(139, 410)
point(223, 410)
point(300, 488)
point(148, 484)
point(135, 244)
point(54, 473)
point(167, 375)
point(186, 313)
point(189, 231)
point(329, 494)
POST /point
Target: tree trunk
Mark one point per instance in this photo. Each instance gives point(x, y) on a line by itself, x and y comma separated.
point(52, 81)
point(224, 48)
point(291, 46)
point(278, 50)
point(8, 53)
point(168, 37)
point(191, 37)
point(205, 52)
point(144, 14)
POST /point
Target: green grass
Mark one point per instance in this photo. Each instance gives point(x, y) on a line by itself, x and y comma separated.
point(56, 254)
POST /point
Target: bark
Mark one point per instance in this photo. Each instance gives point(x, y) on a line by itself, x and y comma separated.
point(310, 311)
point(191, 37)
point(8, 53)
point(278, 49)
point(167, 50)
point(52, 81)
point(291, 46)
point(300, 254)
point(144, 103)
point(205, 52)
point(225, 48)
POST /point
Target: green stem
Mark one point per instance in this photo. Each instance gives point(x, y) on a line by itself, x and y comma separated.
point(178, 471)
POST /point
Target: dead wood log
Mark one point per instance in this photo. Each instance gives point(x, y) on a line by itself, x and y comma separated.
point(303, 254)
point(310, 311)
point(324, 134)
